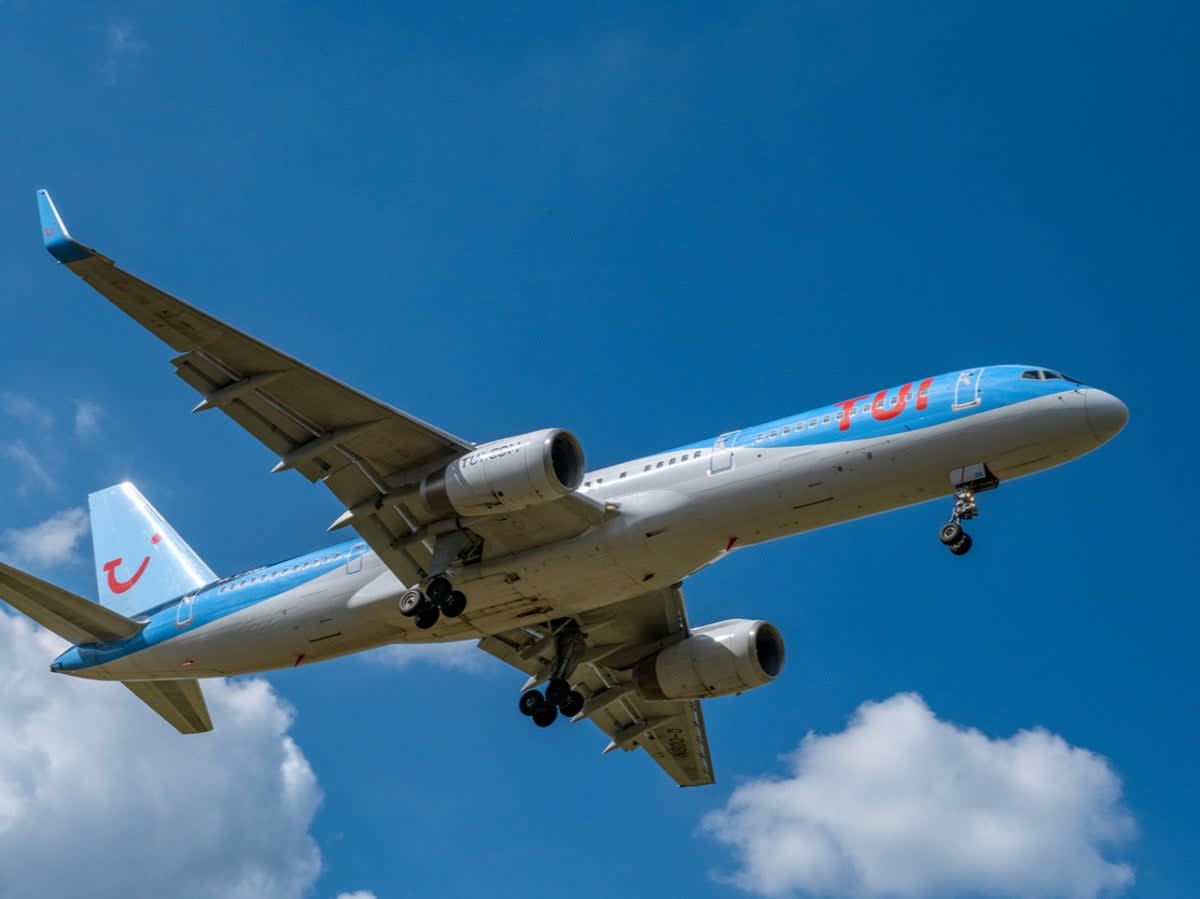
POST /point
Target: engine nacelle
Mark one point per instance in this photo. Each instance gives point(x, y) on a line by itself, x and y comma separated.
point(716, 660)
point(507, 475)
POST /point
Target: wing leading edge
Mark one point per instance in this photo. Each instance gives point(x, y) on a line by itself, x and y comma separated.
point(370, 455)
point(366, 452)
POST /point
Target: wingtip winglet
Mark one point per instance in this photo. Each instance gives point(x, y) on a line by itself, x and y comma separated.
point(55, 236)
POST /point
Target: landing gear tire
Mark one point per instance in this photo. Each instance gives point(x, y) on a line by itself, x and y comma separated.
point(454, 604)
point(557, 690)
point(963, 546)
point(572, 705)
point(427, 617)
point(411, 602)
point(530, 702)
point(438, 590)
point(951, 534)
point(545, 715)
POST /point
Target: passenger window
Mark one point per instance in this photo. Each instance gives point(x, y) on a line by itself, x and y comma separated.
point(760, 437)
point(647, 468)
point(659, 465)
point(799, 425)
point(787, 429)
point(696, 455)
point(774, 434)
point(672, 462)
point(825, 419)
point(624, 473)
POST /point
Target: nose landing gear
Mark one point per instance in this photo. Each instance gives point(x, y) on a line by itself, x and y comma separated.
point(952, 535)
point(426, 606)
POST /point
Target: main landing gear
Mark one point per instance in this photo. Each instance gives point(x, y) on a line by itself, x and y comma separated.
point(426, 606)
point(953, 535)
point(543, 708)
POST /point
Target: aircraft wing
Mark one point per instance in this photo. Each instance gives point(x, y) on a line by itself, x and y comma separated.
point(619, 636)
point(370, 455)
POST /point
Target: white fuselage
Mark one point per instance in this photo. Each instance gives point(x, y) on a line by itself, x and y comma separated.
point(678, 512)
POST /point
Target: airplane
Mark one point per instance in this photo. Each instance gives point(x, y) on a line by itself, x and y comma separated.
point(573, 577)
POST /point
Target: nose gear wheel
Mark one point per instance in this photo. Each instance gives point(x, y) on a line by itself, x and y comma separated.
point(952, 535)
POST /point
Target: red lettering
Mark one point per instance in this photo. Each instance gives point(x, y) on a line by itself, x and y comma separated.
point(846, 407)
point(923, 395)
point(881, 414)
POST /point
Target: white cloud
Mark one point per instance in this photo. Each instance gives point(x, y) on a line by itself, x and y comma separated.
point(462, 656)
point(119, 40)
point(24, 408)
point(357, 894)
point(95, 789)
point(121, 47)
point(32, 473)
point(901, 804)
point(87, 419)
point(51, 542)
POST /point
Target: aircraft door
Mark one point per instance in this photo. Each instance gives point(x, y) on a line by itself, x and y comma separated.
point(967, 389)
point(183, 613)
point(722, 454)
point(354, 559)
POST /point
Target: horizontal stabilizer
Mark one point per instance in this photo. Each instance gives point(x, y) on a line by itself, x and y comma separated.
point(180, 702)
point(71, 617)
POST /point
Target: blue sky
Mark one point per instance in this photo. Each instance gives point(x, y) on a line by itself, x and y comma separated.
point(646, 225)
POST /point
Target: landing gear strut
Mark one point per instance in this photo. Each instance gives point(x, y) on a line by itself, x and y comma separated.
point(426, 606)
point(543, 708)
point(953, 535)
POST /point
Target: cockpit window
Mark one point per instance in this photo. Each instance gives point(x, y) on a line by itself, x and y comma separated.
point(1044, 374)
point(1059, 376)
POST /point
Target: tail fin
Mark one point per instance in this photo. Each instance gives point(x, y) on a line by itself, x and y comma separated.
point(140, 560)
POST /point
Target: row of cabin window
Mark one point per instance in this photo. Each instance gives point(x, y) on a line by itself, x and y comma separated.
point(813, 422)
point(672, 461)
point(262, 577)
point(684, 458)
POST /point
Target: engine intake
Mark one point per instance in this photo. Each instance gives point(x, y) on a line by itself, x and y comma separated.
point(716, 660)
point(507, 475)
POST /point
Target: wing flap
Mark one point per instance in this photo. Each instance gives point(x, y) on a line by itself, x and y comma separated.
point(71, 617)
point(179, 702)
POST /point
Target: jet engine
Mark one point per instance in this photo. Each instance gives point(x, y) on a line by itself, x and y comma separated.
point(716, 660)
point(507, 475)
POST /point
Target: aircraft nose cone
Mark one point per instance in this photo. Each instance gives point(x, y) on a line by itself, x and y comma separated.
point(1106, 414)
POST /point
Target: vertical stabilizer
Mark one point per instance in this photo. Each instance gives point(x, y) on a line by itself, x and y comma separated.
point(140, 560)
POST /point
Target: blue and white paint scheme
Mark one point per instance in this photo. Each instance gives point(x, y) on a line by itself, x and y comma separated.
point(572, 576)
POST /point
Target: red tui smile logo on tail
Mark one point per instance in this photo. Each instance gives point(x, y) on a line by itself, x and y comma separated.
point(110, 568)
